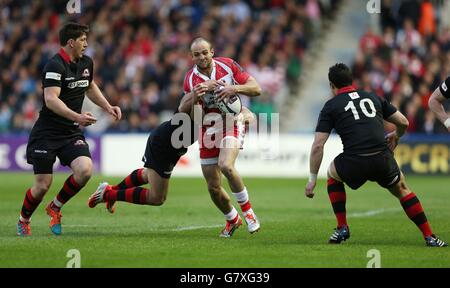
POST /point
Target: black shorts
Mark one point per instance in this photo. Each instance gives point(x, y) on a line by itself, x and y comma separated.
point(42, 152)
point(160, 157)
point(355, 170)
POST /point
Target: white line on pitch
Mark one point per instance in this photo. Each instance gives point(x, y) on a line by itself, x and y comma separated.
point(372, 212)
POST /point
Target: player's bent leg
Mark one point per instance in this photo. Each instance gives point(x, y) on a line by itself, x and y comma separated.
point(332, 173)
point(221, 199)
point(136, 178)
point(214, 181)
point(33, 198)
point(157, 194)
point(414, 211)
point(227, 158)
point(338, 198)
point(82, 169)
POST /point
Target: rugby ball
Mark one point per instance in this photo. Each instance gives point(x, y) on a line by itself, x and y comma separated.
point(232, 105)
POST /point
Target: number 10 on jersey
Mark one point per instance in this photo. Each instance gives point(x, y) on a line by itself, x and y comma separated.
point(362, 104)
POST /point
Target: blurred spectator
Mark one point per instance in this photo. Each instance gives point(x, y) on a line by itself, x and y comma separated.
point(403, 65)
point(141, 50)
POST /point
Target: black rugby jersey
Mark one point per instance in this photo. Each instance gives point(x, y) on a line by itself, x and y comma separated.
point(74, 80)
point(445, 88)
point(357, 116)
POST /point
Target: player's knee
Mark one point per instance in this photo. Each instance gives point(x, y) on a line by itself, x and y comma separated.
point(158, 201)
point(42, 187)
point(214, 189)
point(226, 167)
point(84, 173)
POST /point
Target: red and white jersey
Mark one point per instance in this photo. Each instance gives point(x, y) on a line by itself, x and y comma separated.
point(225, 69)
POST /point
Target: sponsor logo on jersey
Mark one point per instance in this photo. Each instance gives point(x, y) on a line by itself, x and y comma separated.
point(53, 75)
point(444, 87)
point(70, 78)
point(80, 83)
point(79, 143)
point(85, 73)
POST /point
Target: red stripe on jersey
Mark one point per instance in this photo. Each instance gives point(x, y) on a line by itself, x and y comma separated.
point(64, 55)
point(346, 89)
point(186, 86)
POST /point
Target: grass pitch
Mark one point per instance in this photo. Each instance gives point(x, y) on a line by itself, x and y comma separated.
point(184, 231)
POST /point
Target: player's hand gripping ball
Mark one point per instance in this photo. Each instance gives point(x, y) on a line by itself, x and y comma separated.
point(232, 104)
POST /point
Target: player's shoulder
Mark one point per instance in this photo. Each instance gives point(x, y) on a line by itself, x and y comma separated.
point(86, 59)
point(188, 74)
point(55, 64)
point(225, 60)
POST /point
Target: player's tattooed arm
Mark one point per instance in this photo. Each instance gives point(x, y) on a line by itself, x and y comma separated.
point(96, 96)
point(52, 101)
point(435, 103)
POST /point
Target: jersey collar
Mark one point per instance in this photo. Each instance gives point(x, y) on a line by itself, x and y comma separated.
point(203, 76)
point(345, 89)
point(64, 55)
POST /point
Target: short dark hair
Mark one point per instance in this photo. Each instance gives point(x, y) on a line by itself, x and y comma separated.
point(71, 30)
point(340, 75)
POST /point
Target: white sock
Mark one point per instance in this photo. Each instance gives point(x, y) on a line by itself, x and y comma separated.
point(24, 220)
point(241, 197)
point(230, 216)
point(57, 203)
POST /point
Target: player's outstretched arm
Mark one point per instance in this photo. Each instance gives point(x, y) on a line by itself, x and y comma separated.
point(99, 99)
point(196, 110)
point(435, 103)
point(186, 103)
point(315, 159)
point(52, 101)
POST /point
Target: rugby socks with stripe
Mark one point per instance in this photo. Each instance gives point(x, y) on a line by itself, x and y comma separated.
point(414, 210)
point(336, 192)
point(136, 195)
point(243, 200)
point(135, 179)
point(69, 189)
point(232, 217)
point(29, 205)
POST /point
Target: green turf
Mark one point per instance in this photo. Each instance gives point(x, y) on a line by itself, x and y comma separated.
point(294, 229)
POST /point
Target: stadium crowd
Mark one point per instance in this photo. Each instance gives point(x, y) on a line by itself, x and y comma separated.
point(408, 60)
point(141, 50)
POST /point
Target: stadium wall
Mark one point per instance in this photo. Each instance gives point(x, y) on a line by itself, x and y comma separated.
point(284, 156)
